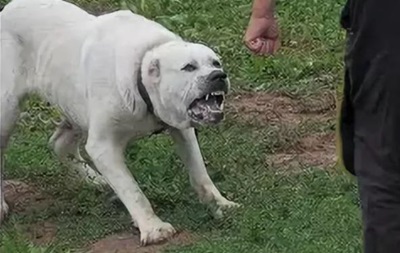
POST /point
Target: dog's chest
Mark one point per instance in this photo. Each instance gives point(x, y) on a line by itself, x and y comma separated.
point(139, 128)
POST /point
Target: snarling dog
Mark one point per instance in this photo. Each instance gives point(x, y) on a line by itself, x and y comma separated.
point(115, 78)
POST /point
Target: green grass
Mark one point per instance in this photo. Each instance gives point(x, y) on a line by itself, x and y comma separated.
point(310, 29)
point(14, 243)
point(314, 211)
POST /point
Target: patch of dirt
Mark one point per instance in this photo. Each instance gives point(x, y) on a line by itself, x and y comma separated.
point(24, 198)
point(275, 108)
point(288, 112)
point(41, 233)
point(316, 150)
point(129, 243)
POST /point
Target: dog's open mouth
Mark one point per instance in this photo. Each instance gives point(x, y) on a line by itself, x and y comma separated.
point(208, 109)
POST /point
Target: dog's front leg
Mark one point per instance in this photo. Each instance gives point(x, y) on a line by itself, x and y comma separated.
point(107, 155)
point(189, 151)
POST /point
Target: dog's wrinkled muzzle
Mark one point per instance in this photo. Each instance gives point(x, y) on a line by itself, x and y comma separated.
point(208, 107)
point(218, 81)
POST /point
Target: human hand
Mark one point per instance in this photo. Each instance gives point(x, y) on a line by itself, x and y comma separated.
point(262, 35)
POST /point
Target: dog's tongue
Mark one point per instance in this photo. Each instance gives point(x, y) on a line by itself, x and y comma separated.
point(204, 106)
point(208, 110)
point(212, 104)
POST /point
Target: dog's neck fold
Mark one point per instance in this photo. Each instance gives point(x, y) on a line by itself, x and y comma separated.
point(143, 93)
point(146, 98)
point(149, 69)
point(141, 87)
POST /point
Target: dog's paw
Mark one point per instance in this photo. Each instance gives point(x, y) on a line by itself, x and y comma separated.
point(224, 205)
point(157, 232)
point(3, 211)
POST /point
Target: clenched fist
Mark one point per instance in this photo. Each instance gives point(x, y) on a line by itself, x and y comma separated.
point(262, 35)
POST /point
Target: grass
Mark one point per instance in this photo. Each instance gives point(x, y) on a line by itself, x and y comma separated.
point(314, 211)
point(13, 242)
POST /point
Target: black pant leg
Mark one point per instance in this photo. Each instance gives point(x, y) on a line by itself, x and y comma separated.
point(374, 76)
point(377, 155)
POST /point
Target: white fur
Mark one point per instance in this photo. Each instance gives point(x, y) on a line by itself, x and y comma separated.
point(87, 66)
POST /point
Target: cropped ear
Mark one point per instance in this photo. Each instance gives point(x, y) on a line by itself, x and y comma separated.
point(154, 68)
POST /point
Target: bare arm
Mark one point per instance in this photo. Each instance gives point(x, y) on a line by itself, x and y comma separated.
point(263, 8)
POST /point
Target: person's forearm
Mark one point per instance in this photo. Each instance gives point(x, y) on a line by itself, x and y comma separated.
point(262, 8)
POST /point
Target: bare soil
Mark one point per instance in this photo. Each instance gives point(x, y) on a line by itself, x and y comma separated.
point(128, 243)
point(41, 233)
point(277, 108)
point(24, 198)
point(313, 150)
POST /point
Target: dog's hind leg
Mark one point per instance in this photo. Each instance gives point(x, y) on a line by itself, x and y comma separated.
point(65, 143)
point(9, 112)
point(12, 90)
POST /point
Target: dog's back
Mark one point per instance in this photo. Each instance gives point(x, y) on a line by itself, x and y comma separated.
point(28, 28)
point(52, 47)
point(31, 21)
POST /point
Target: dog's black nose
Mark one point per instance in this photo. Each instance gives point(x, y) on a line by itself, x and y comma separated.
point(217, 75)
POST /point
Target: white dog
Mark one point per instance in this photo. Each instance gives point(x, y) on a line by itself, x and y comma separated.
point(115, 78)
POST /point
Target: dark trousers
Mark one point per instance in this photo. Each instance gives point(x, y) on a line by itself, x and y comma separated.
point(370, 117)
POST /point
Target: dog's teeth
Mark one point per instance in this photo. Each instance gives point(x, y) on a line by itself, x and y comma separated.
point(217, 93)
point(208, 95)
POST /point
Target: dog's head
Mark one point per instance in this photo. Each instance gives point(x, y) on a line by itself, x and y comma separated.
point(186, 83)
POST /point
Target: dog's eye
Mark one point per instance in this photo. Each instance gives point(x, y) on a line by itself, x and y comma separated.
point(189, 67)
point(216, 64)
